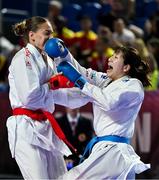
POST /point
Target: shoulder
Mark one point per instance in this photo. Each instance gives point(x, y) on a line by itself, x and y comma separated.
point(19, 55)
point(79, 34)
point(92, 35)
point(133, 82)
point(134, 86)
point(68, 33)
point(129, 34)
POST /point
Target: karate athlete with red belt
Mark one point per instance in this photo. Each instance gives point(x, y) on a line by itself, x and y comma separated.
point(116, 97)
point(35, 139)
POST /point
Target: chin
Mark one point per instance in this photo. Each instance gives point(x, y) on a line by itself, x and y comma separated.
point(109, 73)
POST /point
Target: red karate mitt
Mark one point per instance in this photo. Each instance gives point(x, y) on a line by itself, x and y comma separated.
point(60, 81)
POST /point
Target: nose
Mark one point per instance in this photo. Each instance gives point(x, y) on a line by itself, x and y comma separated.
point(110, 59)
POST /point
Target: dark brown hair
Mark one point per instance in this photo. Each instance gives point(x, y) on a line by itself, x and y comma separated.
point(30, 24)
point(138, 68)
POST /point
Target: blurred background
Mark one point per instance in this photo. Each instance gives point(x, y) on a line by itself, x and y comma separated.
point(91, 30)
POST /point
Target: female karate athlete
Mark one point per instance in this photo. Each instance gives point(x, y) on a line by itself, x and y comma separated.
point(117, 96)
point(34, 143)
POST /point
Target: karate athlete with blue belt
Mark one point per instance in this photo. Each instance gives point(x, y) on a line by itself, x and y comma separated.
point(117, 96)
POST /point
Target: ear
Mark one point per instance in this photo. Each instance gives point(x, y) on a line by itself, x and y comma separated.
point(126, 68)
point(31, 35)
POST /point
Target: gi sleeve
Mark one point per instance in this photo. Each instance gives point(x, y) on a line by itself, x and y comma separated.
point(121, 97)
point(70, 97)
point(92, 76)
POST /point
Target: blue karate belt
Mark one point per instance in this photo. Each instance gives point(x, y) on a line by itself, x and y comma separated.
point(96, 139)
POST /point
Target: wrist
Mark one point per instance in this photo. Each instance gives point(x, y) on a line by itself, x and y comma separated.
point(64, 53)
point(80, 82)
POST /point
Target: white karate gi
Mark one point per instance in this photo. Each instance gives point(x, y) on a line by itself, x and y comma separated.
point(115, 108)
point(34, 145)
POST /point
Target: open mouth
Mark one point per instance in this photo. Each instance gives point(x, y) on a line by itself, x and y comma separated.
point(110, 67)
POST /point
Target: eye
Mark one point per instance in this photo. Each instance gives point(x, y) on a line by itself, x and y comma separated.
point(48, 33)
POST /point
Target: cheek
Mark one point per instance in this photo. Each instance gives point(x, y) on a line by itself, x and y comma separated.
point(41, 40)
point(38, 38)
point(119, 68)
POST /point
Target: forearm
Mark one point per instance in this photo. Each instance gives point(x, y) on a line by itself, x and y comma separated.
point(53, 49)
point(72, 98)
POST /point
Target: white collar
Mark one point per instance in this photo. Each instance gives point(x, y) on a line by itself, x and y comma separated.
point(33, 50)
point(70, 119)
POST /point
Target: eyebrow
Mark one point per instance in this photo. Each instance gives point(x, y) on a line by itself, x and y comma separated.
point(46, 30)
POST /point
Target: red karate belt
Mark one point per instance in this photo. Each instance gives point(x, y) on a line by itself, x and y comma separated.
point(41, 115)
